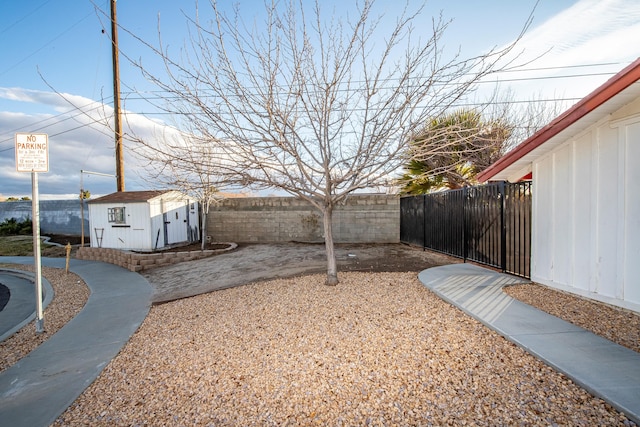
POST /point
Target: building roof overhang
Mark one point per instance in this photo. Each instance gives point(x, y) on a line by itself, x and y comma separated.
point(615, 93)
point(130, 196)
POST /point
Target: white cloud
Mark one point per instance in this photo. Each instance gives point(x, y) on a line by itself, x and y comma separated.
point(567, 57)
point(80, 138)
point(589, 32)
point(591, 28)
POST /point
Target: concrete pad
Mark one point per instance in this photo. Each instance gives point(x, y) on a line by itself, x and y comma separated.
point(605, 369)
point(520, 318)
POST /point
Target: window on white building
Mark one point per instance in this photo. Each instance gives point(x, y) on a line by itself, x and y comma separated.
point(116, 215)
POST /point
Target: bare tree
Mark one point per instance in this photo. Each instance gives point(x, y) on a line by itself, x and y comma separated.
point(187, 164)
point(317, 105)
point(526, 117)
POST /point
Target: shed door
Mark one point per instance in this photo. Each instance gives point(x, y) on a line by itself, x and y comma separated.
point(176, 225)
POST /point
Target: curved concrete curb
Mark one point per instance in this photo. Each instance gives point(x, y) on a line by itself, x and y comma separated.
point(42, 385)
point(603, 368)
point(8, 311)
point(232, 246)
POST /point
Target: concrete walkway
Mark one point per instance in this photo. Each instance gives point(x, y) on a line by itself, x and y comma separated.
point(37, 389)
point(21, 308)
point(605, 369)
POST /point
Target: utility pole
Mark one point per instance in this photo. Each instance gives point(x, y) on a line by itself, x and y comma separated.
point(116, 100)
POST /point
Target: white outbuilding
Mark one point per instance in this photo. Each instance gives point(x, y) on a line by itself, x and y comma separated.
point(586, 194)
point(143, 220)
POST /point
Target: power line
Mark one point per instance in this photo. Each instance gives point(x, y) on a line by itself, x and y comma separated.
point(455, 105)
point(149, 99)
point(508, 80)
point(62, 133)
point(160, 97)
point(562, 67)
point(30, 128)
point(167, 113)
point(546, 77)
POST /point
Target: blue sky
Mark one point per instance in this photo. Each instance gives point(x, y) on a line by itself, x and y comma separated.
point(52, 46)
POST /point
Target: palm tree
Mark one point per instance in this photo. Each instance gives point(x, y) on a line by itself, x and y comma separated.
point(451, 150)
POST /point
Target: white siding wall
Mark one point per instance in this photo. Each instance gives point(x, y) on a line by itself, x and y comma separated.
point(157, 226)
point(586, 213)
point(134, 234)
point(176, 208)
point(631, 247)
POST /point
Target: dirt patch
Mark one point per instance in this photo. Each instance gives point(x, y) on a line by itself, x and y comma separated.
point(389, 258)
point(367, 257)
point(256, 262)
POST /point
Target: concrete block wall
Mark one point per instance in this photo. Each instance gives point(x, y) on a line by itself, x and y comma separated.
point(366, 218)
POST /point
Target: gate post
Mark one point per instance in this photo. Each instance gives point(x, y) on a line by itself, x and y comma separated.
point(503, 228)
point(424, 222)
point(465, 244)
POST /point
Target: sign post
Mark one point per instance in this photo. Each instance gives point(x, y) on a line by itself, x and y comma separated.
point(32, 155)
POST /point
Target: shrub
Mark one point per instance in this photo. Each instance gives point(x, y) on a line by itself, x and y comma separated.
point(12, 227)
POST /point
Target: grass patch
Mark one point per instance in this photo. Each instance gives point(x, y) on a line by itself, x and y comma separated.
point(23, 246)
point(16, 245)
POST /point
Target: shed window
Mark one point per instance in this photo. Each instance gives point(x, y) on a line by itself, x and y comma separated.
point(116, 215)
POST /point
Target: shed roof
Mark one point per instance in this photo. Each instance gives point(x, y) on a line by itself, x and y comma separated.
point(616, 92)
point(130, 196)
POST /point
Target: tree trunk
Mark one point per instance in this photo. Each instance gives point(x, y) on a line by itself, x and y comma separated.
point(203, 228)
point(332, 267)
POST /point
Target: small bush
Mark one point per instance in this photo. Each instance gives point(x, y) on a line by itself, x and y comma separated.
point(13, 227)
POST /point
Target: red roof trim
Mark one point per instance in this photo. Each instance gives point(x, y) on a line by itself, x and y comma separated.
point(595, 99)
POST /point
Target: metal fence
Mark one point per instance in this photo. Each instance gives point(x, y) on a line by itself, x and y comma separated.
point(489, 224)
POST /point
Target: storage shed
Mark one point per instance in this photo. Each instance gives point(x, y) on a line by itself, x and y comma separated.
point(586, 194)
point(143, 220)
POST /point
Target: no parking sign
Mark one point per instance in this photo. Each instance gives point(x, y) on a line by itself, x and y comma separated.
point(32, 152)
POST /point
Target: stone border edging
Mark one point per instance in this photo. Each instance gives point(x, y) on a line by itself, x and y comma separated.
point(137, 262)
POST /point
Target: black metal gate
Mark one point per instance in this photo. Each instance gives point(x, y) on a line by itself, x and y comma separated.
point(489, 224)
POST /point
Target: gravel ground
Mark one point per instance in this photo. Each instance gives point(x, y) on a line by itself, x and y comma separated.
point(70, 295)
point(378, 349)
